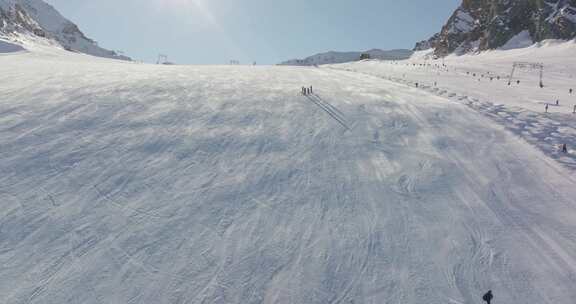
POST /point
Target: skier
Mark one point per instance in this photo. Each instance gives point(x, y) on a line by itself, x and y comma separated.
point(570, 91)
point(488, 297)
point(574, 112)
point(311, 92)
point(557, 102)
point(546, 108)
point(564, 149)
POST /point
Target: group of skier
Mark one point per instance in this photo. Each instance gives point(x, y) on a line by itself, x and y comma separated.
point(307, 91)
point(557, 103)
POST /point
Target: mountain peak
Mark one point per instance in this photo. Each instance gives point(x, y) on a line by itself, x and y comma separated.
point(479, 25)
point(39, 19)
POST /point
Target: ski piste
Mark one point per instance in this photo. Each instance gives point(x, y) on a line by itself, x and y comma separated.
point(124, 182)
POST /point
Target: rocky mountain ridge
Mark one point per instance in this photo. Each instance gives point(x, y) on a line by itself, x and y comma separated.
point(479, 25)
point(36, 18)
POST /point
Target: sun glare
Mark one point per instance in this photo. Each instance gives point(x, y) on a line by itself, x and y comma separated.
point(192, 8)
point(198, 13)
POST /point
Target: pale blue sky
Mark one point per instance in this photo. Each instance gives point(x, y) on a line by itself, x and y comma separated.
point(266, 31)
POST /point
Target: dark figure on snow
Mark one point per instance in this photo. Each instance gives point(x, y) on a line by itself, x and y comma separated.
point(304, 90)
point(564, 148)
point(574, 112)
point(557, 102)
point(546, 108)
point(488, 297)
point(517, 81)
point(571, 91)
point(311, 92)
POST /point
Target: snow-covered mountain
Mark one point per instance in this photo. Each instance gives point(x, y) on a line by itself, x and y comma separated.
point(342, 57)
point(479, 25)
point(36, 18)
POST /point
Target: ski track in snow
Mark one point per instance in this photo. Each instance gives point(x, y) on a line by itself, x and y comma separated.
point(124, 183)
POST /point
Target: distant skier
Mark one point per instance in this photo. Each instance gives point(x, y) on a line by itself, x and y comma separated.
point(570, 91)
point(546, 108)
point(488, 297)
point(557, 102)
point(311, 91)
point(574, 111)
point(564, 149)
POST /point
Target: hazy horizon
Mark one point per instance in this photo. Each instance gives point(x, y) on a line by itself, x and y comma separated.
point(268, 32)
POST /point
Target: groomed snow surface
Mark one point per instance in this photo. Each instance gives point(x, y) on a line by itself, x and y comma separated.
point(126, 183)
point(482, 83)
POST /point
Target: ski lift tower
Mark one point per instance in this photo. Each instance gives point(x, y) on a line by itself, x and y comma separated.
point(530, 66)
point(162, 59)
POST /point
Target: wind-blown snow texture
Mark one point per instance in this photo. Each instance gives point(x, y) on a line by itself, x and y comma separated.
point(481, 82)
point(125, 183)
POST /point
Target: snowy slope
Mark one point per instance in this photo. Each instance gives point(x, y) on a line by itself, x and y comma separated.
point(7, 47)
point(481, 82)
point(125, 183)
point(342, 57)
point(36, 22)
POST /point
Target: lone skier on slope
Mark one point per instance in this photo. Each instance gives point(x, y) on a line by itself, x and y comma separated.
point(564, 148)
point(488, 297)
